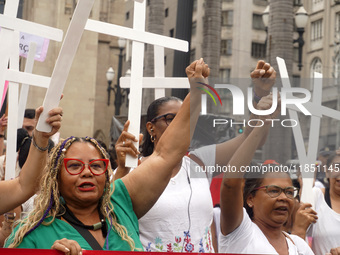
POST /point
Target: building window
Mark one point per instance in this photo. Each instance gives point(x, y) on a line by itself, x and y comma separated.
point(195, 5)
point(296, 54)
point(193, 28)
point(171, 32)
point(192, 55)
point(227, 18)
point(228, 1)
point(166, 14)
point(296, 81)
point(127, 15)
point(317, 1)
point(316, 30)
point(258, 50)
point(224, 75)
point(103, 15)
point(69, 7)
point(297, 3)
point(337, 22)
point(316, 66)
point(261, 2)
point(258, 22)
point(226, 47)
point(337, 68)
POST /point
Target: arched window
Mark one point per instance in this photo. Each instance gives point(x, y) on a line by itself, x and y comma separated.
point(316, 66)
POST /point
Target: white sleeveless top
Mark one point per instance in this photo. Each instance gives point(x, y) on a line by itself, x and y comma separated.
point(181, 218)
point(326, 231)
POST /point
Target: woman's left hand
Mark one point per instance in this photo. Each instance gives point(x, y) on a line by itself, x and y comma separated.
point(334, 251)
point(304, 216)
point(69, 247)
point(54, 120)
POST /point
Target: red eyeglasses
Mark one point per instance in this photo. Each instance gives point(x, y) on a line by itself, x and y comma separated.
point(76, 166)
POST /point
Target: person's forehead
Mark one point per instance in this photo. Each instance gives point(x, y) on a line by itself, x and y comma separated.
point(170, 107)
point(28, 121)
point(82, 149)
point(279, 179)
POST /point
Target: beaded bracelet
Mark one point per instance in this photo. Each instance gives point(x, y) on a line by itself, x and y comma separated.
point(37, 146)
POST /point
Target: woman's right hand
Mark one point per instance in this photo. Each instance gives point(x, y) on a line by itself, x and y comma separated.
point(69, 247)
point(125, 145)
point(198, 69)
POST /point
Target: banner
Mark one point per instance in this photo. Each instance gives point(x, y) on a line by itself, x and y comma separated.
point(11, 251)
point(42, 46)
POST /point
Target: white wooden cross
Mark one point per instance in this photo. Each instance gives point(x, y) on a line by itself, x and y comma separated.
point(139, 37)
point(64, 61)
point(9, 51)
point(317, 111)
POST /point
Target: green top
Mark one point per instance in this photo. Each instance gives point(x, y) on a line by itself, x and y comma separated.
point(44, 236)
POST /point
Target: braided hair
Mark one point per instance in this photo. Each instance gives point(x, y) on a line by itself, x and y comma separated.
point(48, 203)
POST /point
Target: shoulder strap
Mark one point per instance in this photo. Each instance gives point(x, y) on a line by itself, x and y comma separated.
point(197, 160)
point(286, 235)
point(84, 233)
point(328, 197)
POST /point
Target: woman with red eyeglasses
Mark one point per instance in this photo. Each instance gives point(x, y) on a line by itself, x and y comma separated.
point(256, 205)
point(78, 208)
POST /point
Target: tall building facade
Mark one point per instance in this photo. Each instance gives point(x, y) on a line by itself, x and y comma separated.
point(86, 112)
point(242, 43)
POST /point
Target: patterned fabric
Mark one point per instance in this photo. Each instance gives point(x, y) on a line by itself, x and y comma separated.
point(181, 218)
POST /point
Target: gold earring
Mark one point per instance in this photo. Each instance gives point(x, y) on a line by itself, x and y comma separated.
point(152, 138)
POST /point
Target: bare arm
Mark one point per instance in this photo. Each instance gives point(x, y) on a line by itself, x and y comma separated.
point(263, 78)
point(148, 181)
point(232, 184)
point(14, 192)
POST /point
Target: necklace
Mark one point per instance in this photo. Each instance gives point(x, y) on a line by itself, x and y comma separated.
point(73, 220)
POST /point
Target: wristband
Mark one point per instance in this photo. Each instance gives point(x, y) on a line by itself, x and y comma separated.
point(2, 136)
point(256, 98)
point(37, 146)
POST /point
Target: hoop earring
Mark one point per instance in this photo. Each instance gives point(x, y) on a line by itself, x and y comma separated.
point(152, 138)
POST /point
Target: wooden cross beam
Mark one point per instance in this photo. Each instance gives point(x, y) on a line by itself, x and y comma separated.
point(139, 37)
point(9, 51)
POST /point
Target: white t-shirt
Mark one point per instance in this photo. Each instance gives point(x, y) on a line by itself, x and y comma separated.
point(2, 171)
point(326, 231)
point(181, 218)
point(249, 239)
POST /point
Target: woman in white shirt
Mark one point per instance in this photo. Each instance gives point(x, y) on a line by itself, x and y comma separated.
point(253, 212)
